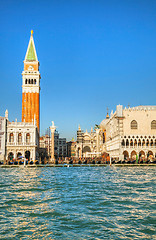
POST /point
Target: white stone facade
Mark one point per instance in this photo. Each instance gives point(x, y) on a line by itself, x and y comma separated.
point(31, 82)
point(89, 144)
point(131, 132)
point(3, 136)
point(22, 139)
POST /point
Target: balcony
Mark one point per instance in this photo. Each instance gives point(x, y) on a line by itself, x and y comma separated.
point(21, 144)
point(130, 147)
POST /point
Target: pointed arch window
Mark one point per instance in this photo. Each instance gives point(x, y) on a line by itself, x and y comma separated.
point(131, 142)
point(151, 142)
point(147, 142)
point(123, 143)
point(135, 143)
point(139, 143)
point(127, 143)
point(143, 142)
point(153, 124)
point(103, 138)
point(134, 124)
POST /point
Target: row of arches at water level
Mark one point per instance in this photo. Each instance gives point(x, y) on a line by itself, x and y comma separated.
point(11, 155)
point(141, 154)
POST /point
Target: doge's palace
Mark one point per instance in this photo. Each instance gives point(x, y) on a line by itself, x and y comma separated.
point(131, 132)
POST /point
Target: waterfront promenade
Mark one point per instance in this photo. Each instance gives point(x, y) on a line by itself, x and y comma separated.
point(78, 165)
point(100, 161)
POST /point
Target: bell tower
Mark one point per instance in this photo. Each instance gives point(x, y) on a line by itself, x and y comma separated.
point(31, 85)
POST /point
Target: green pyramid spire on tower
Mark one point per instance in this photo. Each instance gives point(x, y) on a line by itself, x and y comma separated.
point(31, 51)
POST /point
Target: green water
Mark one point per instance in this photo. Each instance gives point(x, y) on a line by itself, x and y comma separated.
point(78, 203)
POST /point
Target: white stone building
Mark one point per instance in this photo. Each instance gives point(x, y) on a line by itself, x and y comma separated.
point(89, 144)
point(22, 139)
point(130, 132)
point(3, 136)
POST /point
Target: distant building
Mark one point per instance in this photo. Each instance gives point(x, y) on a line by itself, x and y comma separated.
point(71, 149)
point(3, 136)
point(45, 143)
point(130, 132)
point(60, 146)
point(89, 144)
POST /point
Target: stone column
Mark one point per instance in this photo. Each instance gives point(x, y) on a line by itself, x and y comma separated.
point(97, 141)
point(52, 128)
point(23, 153)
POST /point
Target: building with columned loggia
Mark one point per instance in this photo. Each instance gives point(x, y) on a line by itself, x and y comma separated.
point(126, 133)
point(130, 132)
point(22, 140)
point(18, 139)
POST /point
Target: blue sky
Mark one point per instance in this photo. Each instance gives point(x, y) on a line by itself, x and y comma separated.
point(93, 55)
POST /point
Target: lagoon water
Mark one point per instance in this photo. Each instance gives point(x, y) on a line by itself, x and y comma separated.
point(78, 203)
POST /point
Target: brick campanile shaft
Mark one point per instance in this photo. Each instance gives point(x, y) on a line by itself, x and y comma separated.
point(31, 86)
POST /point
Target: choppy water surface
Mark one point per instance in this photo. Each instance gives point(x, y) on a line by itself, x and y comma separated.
point(78, 203)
